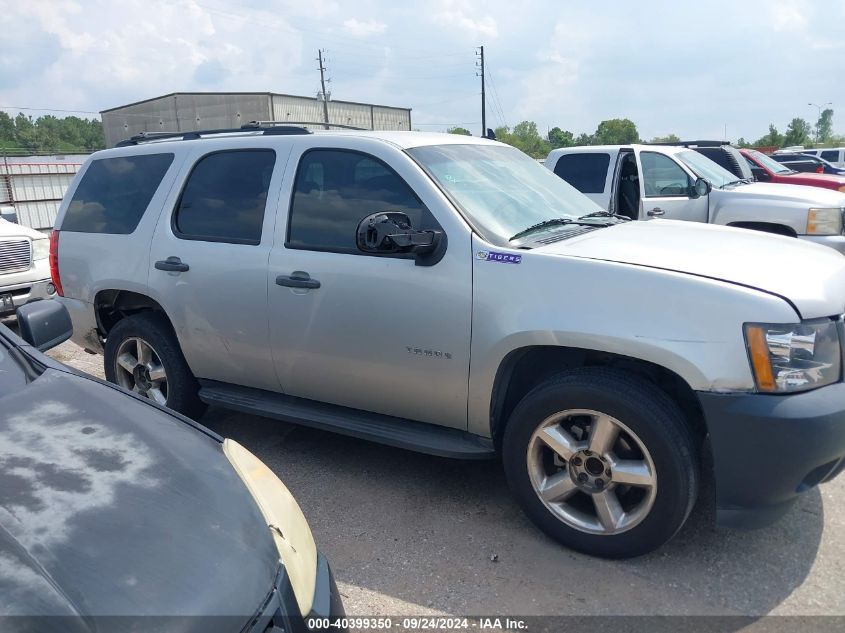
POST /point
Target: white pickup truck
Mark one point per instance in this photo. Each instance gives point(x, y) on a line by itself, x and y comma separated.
point(24, 269)
point(648, 181)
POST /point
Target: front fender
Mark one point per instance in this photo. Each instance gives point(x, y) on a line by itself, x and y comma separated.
point(689, 325)
point(726, 209)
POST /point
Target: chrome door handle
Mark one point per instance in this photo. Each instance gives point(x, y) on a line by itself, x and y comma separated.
point(656, 211)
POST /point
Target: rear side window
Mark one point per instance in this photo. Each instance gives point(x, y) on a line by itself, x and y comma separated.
point(114, 193)
point(831, 156)
point(336, 189)
point(225, 197)
point(586, 172)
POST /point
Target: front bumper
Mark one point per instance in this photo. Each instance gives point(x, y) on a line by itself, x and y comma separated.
point(768, 449)
point(836, 242)
point(281, 613)
point(26, 292)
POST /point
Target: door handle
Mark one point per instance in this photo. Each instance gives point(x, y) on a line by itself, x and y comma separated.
point(297, 279)
point(172, 264)
point(656, 211)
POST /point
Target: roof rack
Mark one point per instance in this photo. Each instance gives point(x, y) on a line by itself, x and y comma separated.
point(266, 128)
point(321, 124)
point(693, 143)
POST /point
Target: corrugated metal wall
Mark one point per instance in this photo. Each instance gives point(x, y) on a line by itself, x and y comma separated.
point(183, 112)
point(33, 187)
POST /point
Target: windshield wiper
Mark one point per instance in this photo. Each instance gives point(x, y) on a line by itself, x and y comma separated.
point(605, 214)
point(734, 182)
point(543, 225)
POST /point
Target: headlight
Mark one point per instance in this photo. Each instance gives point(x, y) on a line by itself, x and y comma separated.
point(824, 221)
point(285, 521)
point(40, 248)
point(794, 357)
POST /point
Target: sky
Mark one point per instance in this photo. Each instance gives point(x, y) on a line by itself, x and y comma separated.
point(720, 69)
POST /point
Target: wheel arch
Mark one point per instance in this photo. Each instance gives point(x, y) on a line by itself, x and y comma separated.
point(113, 305)
point(766, 227)
point(524, 368)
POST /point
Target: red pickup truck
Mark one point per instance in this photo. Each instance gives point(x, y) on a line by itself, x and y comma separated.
point(767, 169)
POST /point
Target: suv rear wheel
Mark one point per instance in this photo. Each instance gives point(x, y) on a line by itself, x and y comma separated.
point(602, 461)
point(143, 355)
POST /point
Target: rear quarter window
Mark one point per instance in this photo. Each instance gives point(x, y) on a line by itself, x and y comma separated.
point(114, 193)
point(586, 172)
point(831, 156)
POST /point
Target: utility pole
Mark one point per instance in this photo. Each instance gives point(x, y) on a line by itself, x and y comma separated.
point(483, 110)
point(323, 85)
point(824, 105)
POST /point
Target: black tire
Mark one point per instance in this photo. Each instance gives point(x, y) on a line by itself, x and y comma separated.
point(644, 409)
point(182, 386)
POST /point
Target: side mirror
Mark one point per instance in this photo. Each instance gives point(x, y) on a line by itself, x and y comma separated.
point(702, 187)
point(761, 175)
point(391, 232)
point(44, 324)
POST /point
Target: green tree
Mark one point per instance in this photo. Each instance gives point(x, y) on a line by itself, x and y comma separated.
point(585, 139)
point(797, 132)
point(459, 130)
point(772, 139)
point(741, 142)
point(617, 132)
point(561, 138)
point(7, 128)
point(669, 138)
point(525, 137)
point(824, 126)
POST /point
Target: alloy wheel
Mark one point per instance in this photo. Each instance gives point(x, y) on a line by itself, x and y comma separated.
point(591, 471)
point(138, 368)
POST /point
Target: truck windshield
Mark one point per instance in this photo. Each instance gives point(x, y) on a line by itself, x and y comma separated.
point(500, 190)
point(705, 168)
point(770, 163)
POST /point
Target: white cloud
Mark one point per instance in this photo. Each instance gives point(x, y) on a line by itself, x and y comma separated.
point(459, 14)
point(363, 28)
point(788, 16)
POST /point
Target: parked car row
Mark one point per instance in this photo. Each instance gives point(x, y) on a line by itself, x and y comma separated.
point(680, 182)
point(448, 295)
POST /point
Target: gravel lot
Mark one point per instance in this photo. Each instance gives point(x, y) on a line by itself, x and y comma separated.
point(413, 534)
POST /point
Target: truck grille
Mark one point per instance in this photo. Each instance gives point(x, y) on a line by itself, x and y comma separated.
point(15, 256)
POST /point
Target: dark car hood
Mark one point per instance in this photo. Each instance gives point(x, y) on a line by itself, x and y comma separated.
point(109, 506)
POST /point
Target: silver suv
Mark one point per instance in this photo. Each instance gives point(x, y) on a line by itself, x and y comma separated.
point(449, 295)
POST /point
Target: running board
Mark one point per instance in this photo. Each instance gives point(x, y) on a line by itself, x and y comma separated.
point(384, 429)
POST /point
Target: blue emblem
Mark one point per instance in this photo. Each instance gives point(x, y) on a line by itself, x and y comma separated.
point(505, 258)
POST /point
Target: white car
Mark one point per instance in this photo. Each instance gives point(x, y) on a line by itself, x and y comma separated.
point(643, 182)
point(833, 155)
point(24, 267)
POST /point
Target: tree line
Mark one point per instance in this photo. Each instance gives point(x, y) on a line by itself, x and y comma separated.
point(526, 137)
point(23, 134)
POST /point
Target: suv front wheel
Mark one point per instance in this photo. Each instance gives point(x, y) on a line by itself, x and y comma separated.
point(143, 355)
point(602, 461)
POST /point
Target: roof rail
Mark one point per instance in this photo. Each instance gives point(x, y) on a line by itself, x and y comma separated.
point(322, 124)
point(693, 143)
point(253, 126)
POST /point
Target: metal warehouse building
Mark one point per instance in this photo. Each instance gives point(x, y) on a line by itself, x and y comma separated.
point(187, 111)
point(31, 187)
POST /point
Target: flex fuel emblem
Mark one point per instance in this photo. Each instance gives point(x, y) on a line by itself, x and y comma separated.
point(504, 258)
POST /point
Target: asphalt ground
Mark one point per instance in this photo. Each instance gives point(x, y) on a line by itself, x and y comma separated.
point(410, 534)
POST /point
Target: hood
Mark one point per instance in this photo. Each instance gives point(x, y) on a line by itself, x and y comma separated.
point(814, 179)
point(814, 196)
point(109, 506)
point(809, 276)
point(11, 229)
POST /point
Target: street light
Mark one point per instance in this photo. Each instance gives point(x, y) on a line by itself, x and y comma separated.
point(819, 116)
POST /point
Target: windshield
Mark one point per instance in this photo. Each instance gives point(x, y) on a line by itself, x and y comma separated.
point(12, 375)
point(769, 163)
point(705, 168)
point(500, 190)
